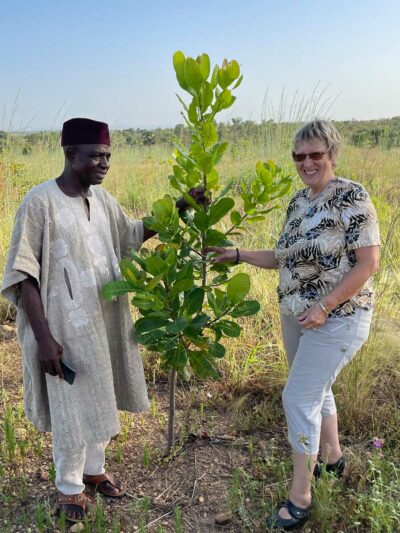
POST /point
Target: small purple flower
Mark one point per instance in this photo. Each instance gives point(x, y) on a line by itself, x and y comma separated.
point(377, 443)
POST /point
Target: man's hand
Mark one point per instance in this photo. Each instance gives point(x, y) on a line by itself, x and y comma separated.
point(49, 351)
point(198, 195)
point(49, 355)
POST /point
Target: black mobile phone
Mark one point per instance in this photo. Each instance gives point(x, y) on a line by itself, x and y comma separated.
point(69, 374)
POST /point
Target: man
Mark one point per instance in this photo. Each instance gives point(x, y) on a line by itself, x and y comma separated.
point(68, 238)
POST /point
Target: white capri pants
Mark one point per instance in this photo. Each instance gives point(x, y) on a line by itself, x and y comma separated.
point(315, 359)
point(72, 463)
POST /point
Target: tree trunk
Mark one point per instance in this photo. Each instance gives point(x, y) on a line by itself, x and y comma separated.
point(171, 410)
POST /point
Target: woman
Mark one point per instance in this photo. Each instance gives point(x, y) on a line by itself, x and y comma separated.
point(326, 255)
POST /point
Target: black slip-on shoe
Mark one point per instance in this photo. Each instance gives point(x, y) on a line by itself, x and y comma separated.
point(335, 468)
point(298, 517)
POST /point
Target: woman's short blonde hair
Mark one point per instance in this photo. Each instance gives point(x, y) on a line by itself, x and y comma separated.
point(320, 130)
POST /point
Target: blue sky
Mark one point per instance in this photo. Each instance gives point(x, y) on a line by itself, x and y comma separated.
point(112, 61)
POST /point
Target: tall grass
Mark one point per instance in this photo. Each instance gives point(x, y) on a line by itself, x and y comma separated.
point(138, 176)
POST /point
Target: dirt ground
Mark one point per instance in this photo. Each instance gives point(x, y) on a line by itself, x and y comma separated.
point(197, 489)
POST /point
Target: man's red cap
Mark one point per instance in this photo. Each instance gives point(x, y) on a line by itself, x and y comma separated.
point(84, 131)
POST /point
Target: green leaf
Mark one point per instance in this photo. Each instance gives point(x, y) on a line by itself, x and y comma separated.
point(205, 163)
point(185, 272)
point(209, 134)
point(144, 325)
point(179, 173)
point(154, 282)
point(165, 344)
point(216, 238)
point(182, 286)
point(131, 273)
point(238, 287)
point(202, 365)
point(155, 265)
point(204, 63)
point(149, 330)
point(247, 308)
point(206, 96)
point(233, 70)
point(170, 257)
point(198, 322)
point(229, 328)
point(225, 99)
point(192, 72)
point(213, 181)
point(217, 350)
point(178, 357)
point(194, 301)
point(219, 280)
point(164, 208)
point(150, 338)
point(136, 257)
point(236, 218)
point(239, 81)
point(218, 151)
point(146, 301)
point(219, 210)
point(193, 178)
point(174, 182)
point(177, 325)
point(223, 78)
point(200, 220)
point(116, 288)
point(214, 77)
point(179, 67)
point(192, 113)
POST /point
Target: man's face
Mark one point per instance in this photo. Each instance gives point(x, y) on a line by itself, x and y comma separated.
point(91, 162)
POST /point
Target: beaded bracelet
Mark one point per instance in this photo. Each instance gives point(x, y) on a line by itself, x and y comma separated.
point(237, 257)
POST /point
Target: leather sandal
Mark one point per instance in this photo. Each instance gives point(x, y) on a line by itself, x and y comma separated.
point(298, 517)
point(335, 468)
point(72, 503)
point(102, 482)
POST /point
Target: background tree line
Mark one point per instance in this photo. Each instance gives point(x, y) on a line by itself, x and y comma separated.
point(383, 133)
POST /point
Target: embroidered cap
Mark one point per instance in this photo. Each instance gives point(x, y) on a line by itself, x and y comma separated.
point(84, 131)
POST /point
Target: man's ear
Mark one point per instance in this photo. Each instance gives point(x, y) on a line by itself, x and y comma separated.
point(70, 152)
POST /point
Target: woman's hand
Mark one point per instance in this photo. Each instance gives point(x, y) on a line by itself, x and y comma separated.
point(223, 255)
point(312, 318)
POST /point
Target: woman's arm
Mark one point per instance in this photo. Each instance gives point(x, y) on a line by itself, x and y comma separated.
point(260, 258)
point(351, 284)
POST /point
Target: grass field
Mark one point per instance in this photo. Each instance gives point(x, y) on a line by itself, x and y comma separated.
point(232, 432)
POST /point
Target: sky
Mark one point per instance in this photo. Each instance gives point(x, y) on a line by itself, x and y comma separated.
point(112, 61)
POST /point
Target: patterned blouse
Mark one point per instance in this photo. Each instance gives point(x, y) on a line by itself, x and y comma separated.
point(316, 248)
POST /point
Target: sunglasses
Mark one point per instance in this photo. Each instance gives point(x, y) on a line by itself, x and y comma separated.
point(314, 156)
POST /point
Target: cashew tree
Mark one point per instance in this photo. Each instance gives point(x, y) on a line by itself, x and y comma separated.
point(188, 304)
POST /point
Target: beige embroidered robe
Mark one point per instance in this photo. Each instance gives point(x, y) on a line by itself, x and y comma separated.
point(72, 258)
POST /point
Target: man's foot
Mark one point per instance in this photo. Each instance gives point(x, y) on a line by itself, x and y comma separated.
point(74, 506)
point(334, 468)
point(105, 484)
point(296, 517)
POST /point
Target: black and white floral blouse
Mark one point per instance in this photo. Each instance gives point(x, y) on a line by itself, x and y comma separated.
point(316, 248)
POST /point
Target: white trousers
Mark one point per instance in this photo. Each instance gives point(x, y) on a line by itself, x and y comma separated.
point(72, 463)
point(315, 358)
